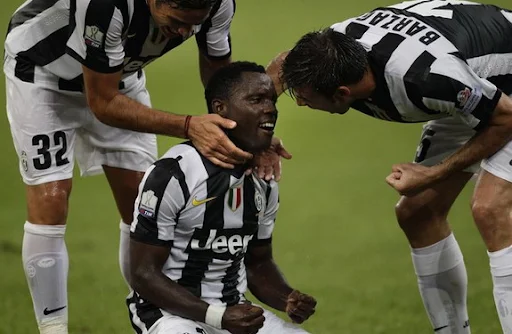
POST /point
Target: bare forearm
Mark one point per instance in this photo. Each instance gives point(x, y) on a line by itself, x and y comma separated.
point(126, 113)
point(267, 283)
point(209, 66)
point(169, 295)
point(481, 146)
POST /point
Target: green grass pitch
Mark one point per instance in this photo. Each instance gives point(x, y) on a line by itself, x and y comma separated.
point(336, 236)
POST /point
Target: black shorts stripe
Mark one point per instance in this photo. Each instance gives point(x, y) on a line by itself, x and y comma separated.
point(30, 11)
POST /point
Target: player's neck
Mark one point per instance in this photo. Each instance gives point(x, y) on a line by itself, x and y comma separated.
point(364, 88)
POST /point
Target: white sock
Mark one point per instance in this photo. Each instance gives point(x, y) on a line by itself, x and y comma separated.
point(45, 260)
point(124, 251)
point(442, 280)
point(501, 270)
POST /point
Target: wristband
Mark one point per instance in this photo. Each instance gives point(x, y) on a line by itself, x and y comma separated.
point(214, 315)
point(187, 125)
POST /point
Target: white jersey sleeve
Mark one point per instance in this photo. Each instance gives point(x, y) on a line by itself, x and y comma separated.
point(451, 86)
point(96, 38)
point(214, 39)
point(162, 195)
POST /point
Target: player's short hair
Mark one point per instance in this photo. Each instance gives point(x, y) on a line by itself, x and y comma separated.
point(226, 79)
point(188, 4)
point(324, 60)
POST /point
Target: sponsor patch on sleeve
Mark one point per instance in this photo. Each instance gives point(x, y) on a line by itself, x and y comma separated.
point(94, 36)
point(148, 203)
point(469, 99)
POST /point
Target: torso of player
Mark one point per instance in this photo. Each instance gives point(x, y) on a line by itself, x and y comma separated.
point(397, 38)
point(220, 226)
point(221, 216)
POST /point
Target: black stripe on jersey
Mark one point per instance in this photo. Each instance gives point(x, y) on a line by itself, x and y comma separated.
point(123, 8)
point(74, 85)
point(416, 4)
point(99, 14)
point(139, 27)
point(205, 27)
point(30, 11)
point(475, 30)
point(503, 82)
point(485, 107)
point(146, 230)
point(230, 293)
point(198, 260)
point(42, 53)
point(416, 74)
point(356, 30)
point(251, 213)
point(378, 57)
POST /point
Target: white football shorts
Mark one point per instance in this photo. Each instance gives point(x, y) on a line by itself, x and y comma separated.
point(442, 137)
point(171, 324)
point(51, 128)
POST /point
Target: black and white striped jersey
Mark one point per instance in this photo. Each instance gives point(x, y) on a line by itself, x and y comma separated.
point(54, 37)
point(208, 217)
point(435, 58)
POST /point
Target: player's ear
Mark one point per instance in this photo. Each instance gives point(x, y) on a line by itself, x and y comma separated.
point(219, 107)
point(341, 93)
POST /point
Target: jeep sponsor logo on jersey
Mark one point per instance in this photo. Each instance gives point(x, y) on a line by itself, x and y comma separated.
point(223, 244)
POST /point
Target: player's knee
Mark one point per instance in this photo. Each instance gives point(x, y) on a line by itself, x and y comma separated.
point(412, 214)
point(486, 211)
point(48, 203)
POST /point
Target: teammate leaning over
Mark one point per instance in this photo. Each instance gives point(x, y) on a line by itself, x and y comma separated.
point(202, 234)
point(76, 89)
point(448, 63)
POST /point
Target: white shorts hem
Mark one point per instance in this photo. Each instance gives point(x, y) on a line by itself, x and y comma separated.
point(502, 175)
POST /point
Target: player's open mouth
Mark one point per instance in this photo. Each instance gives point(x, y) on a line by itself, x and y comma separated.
point(268, 126)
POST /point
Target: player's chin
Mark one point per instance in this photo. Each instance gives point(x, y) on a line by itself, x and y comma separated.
point(264, 139)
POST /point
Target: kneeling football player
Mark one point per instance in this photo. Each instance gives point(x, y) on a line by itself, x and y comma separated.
point(202, 234)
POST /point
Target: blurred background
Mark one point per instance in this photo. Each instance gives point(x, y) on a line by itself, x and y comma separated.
point(336, 236)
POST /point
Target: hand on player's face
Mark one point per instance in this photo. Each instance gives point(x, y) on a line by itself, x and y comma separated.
point(300, 306)
point(268, 163)
point(243, 319)
point(410, 179)
point(206, 134)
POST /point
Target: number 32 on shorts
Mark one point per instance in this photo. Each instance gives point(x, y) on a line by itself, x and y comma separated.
point(44, 143)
